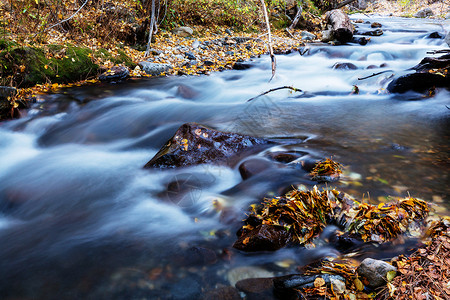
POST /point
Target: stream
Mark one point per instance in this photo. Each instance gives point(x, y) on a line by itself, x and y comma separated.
point(81, 219)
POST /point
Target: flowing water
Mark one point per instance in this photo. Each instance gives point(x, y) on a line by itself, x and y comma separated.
point(81, 219)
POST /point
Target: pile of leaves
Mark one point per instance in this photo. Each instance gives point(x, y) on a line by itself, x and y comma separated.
point(304, 214)
point(326, 170)
point(426, 273)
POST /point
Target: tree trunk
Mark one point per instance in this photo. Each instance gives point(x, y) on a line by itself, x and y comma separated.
point(341, 26)
point(152, 25)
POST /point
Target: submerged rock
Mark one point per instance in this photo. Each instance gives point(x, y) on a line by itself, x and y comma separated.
point(240, 273)
point(375, 271)
point(195, 144)
point(222, 293)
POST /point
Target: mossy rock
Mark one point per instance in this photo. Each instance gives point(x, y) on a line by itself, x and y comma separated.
point(122, 58)
point(27, 66)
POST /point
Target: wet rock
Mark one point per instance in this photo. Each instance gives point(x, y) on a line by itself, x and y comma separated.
point(195, 144)
point(222, 293)
point(255, 285)
point(115, 74)
point(447, 39)
point(154, 69)
point(435, 35)
point(307, 36)
point(303, 281)
point(286, 157)
point(186, 288)
point(241, 66)
point(418, 82)
point(375, 25)
point(263, 238)
point(190, 56)
point(254, 166)
point(376, 32)
point(344, 66)
point(375, 271)
point(424, 13)
point(208, 63)
point(186, 92)
point(183, 31)
point(126, 283)
point(362, 41)
point(241, 273)
point(197, 256)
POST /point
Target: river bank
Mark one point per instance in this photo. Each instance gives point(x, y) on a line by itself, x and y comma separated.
point(200, 50)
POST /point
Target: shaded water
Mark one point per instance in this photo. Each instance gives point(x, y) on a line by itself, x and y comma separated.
point(80, 218)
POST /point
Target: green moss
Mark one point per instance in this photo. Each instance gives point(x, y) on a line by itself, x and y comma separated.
point(75, 64)
point(122, 58)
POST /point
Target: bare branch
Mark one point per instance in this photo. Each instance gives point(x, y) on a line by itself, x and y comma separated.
point(374, 74)
point(272, 56)
point(276, 89)
point(65, 20)
point(297, 18)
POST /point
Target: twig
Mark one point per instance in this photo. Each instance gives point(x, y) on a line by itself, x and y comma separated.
point(272, 56)
point(375, 74)
point(276, 89)
point(65, 20)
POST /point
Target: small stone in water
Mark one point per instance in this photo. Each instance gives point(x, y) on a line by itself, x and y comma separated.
point(241, 273)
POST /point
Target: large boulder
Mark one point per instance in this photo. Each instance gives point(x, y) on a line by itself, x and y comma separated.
point(195, 144)
point(340, 25)
point(424, 80)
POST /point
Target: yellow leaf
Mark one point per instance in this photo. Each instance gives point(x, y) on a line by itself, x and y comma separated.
point(46, 67)
point(358, 284)
point(37, 1)
point(390, 275)
point(319, 282)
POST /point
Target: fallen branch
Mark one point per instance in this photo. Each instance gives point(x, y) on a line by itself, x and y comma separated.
point(276, 89)
point(296, 19)
point(272, 56)
point(375, 74)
